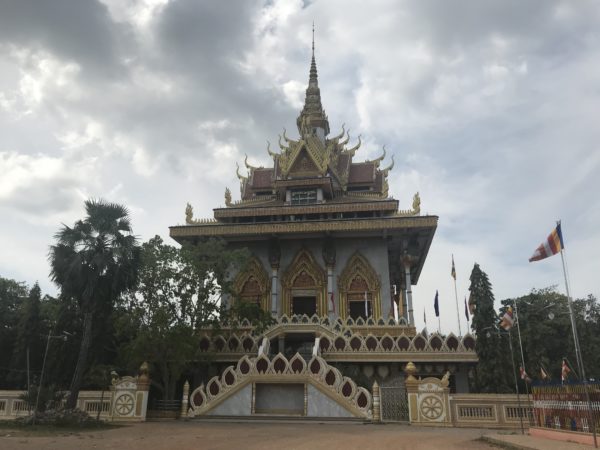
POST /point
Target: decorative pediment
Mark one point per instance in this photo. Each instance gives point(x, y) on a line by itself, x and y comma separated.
point(303, 165)
point(303, 272)
point(358, 276)
point(253, 283)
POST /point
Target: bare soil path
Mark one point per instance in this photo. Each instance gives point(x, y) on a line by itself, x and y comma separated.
point(198, 435)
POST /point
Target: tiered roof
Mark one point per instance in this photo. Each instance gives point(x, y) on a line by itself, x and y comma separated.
point(314, 160)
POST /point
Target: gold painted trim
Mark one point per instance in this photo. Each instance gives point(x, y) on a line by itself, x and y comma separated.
point(304, 261)
point(321, 208)
point(389, 223)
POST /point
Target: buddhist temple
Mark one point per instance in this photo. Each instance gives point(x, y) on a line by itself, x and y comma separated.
point(334, 259)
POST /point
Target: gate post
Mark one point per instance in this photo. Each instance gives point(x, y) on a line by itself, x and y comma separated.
point(184, 399)
point(376, 403)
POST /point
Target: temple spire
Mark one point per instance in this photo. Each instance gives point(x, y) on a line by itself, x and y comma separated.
point(312, 119)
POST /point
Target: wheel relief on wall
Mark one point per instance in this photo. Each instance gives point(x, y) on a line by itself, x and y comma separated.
point(432, 407)
point(124, 404)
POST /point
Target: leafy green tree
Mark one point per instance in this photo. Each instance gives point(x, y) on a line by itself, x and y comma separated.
point(95, 262)
point(28, 337)
point(491, 345)
point(547, 336)
point(179, 292)
point(12, 295)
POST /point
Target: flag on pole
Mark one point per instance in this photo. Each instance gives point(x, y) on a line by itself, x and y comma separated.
point(436, 305)
point(524, 375)
point(507, 319)
point(551, 246)
point(564, 373)
point(472, 305)
point(466, 310)
point(332, 303)
point(543, 374)
point(453, 272)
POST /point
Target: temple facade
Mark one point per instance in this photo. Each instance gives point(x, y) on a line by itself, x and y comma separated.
point(334, 259)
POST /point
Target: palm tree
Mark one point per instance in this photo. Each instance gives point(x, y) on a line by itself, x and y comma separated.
point(94, 261)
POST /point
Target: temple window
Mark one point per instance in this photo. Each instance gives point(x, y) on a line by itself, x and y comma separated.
point(304, 197)
point(358, 306)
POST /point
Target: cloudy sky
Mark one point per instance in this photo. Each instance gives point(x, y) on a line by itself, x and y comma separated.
point(491, 108)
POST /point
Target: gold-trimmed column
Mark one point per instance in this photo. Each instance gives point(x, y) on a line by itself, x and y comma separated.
point(407, 260)
point(274, 258)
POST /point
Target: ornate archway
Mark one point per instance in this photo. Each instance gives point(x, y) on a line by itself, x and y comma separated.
point(304, 279)
point(253, 285)
point(357, 280)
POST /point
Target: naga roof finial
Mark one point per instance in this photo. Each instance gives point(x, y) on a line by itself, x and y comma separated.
point(241, 177)
point(388, 168)
point(271, 153)
point(248, 166)
point(378, 160)
point(341, 134)
point(352, 150)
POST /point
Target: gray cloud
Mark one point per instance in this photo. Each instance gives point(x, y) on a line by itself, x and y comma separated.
point(489, 107)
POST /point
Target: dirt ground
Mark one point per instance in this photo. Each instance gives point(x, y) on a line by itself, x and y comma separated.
point(198, 435)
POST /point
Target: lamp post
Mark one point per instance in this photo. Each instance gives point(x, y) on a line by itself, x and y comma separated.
point(62, 336)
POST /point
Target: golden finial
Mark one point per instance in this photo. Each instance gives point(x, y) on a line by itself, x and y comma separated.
point(313, 40)
point(189, 214)
point(345, 141)
point(416, 204)
point(227, 197)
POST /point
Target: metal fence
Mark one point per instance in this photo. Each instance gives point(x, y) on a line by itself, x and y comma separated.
point(566, 407)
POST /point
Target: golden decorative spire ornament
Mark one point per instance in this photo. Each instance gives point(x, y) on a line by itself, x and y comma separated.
point(312, 119)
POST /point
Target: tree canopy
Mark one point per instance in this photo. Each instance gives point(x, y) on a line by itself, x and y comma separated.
point(95, 261)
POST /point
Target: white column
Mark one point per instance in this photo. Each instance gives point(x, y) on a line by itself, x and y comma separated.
point(274, 271)
point(330, 306)
point(409, 304)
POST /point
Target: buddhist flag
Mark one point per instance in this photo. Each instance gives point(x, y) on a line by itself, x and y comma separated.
point(453, 271)
point(524, 375)
point(507, 319)
point(551, 246)
point(436, 305)
point(564, 373)
point(543, 374)
point(466, 310)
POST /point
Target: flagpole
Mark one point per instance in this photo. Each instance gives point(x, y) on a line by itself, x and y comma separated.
point(512, 358)
point(522, 357)
point(577, 348)
point(457, 311)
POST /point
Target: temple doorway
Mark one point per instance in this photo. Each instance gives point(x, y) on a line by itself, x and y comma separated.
point(304, 305)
